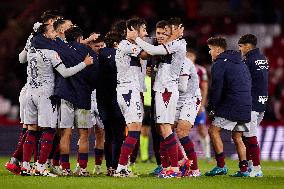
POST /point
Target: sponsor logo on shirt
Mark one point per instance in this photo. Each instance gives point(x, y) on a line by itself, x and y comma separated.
point(262, 64)
point(262, 99)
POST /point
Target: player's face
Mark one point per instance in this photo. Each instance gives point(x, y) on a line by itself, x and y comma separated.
point(214, 51)
point(191, 56)
point(243, 48)
point(50, 33)
point(68, 24)
point(161, 35)
point(97, 46)
point(142, 31)
point(168, 31)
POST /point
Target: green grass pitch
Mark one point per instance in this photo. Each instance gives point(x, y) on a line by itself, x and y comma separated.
point(273, 178)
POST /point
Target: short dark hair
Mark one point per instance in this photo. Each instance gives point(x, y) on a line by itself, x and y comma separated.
point(73, 33)
point(217, 41)
point(111, 38)
point(175, 21)
point(98, 40)
point(50, 14)
point(248, 38)
point(58, 23)
point(42, 29)
point(119, 26)
point(136, 23)
point(162, 24)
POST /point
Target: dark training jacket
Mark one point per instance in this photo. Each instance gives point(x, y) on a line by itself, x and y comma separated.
point(230, 92)
point(258, 67)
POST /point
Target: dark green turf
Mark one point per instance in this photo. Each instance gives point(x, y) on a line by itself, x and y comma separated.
point(273, 178)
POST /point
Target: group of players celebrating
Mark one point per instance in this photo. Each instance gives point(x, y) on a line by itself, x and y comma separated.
point(99, 82)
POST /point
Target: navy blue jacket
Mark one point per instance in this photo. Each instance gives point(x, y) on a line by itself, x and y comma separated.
point(77, 89)
point(258, 67)
point(230, 92)
point(107, 75)
point(107, 81)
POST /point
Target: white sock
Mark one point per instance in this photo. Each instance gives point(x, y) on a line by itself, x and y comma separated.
point(14, 160)
point(40, 167)
point(26, 165)
point(250, 163)
point(48, 161)
point(120, 167)
point(205, 143)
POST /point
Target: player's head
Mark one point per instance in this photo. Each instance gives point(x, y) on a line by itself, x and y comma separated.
point(161, 31)
point(74, 34)
point(50, 16)
point(47, 31)
point(191, 54)
point(138, 24)
point(119, 27)
point(217, 45)
point(247, 42)
point(173, 22)
point(97, 44)
point(112, 39)
point(61, 25)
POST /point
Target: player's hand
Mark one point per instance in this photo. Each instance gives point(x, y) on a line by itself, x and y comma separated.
point(131, 34)
point(94, 36)
point(148, 71)
point(89, 60)
point(176, 32)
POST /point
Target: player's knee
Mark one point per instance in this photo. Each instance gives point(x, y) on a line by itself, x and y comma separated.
point(213, 132)
point(237, 139)
point(182, 130)
point(32, 127)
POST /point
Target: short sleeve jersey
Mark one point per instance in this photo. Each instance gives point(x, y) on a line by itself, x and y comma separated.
point(170, 66)
point(193, 89)
point(40, 70)
point(128, 65)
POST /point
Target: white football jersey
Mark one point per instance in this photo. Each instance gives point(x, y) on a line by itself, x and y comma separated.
point(29, 43)
point(129, 71)
point(193, 89)
point(143, 75)
point(40, 70)
point(170, 66)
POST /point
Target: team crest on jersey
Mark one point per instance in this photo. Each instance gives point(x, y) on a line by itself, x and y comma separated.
point(134, 50)
point(166, 97)
point(127, 97)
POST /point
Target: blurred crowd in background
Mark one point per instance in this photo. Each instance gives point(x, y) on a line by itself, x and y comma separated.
point(202, 18)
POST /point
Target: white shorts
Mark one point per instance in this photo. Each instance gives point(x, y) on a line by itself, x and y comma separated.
point(166, 104)
point(230, 125)
point(70, 117)
point(22, 101)
point(40, 110)
point(256, 118)
point(96, 120)
point(131, 105)
point(187, 109)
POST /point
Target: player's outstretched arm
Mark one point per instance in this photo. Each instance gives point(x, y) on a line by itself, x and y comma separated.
point(92, 37)
point(151, 49)
point(67, 72)
point(23, 57)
